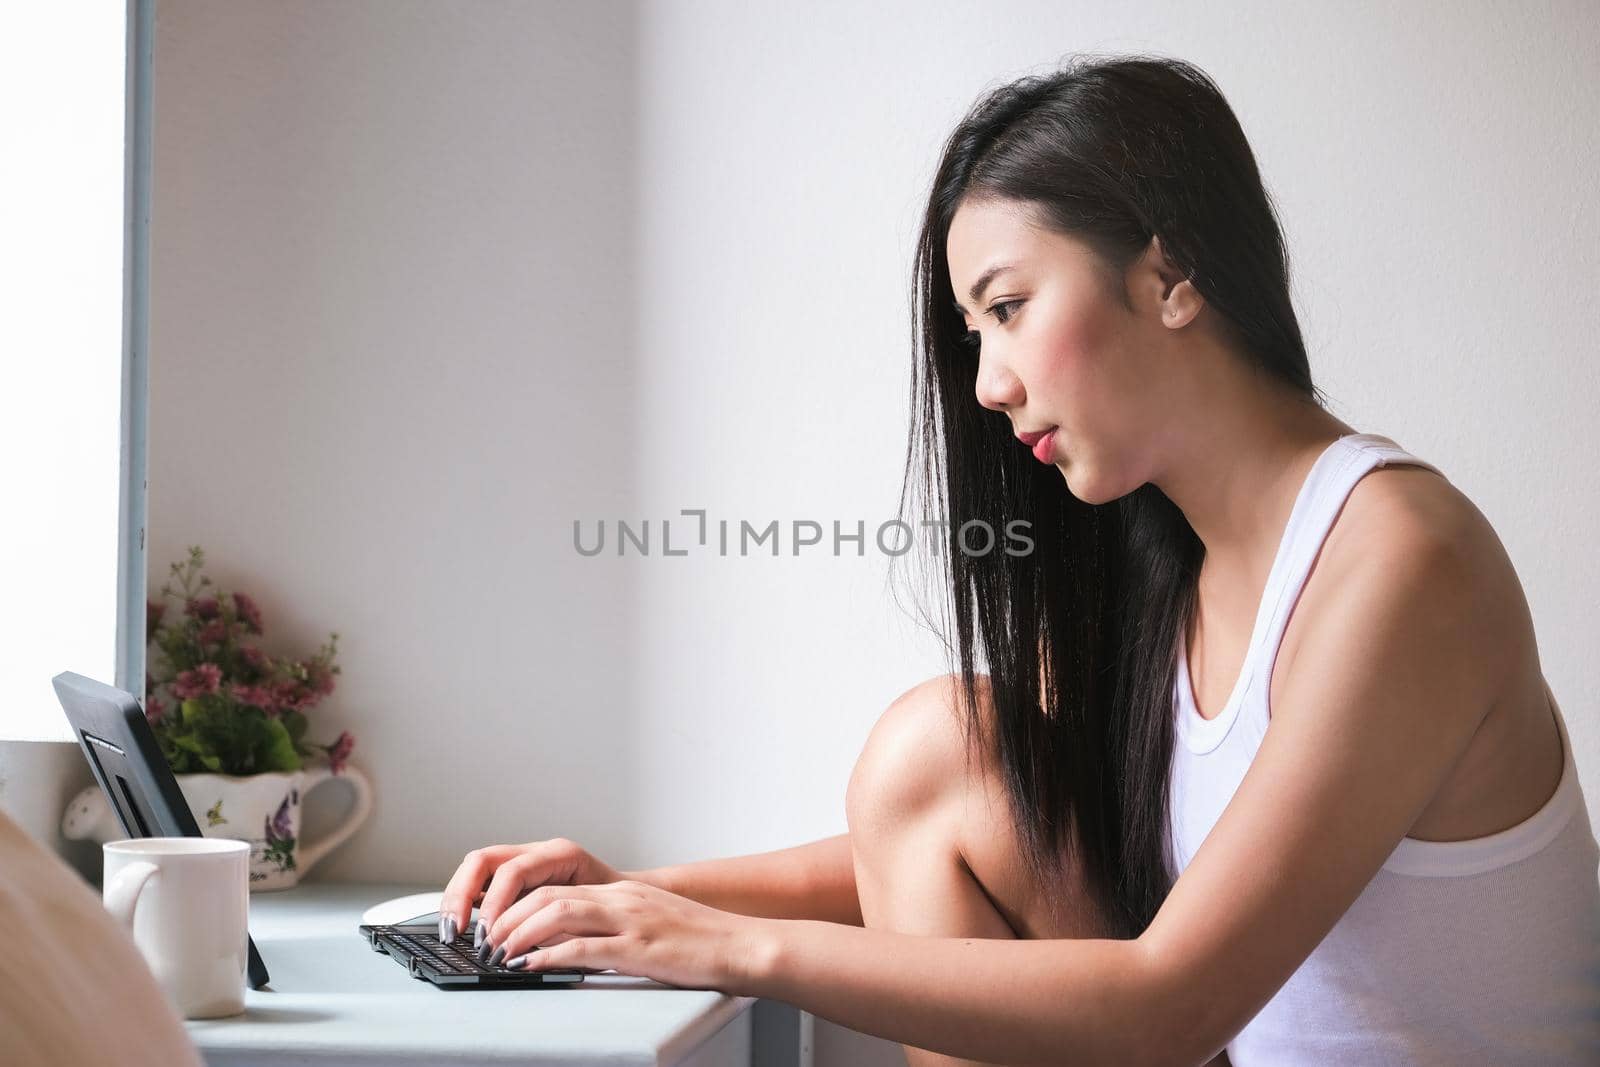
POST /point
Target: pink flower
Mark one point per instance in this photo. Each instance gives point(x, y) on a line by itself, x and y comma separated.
point(204, 608)
point(152, 616)
point(154, 710)
point(339, 751)
point(288, 693)
point(214, 632)
point(199, 682)
point(248, 612)
point(257, 695)
point(253, 656)
point(321, 680)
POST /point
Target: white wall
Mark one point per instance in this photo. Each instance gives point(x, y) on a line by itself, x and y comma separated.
point(432, 280)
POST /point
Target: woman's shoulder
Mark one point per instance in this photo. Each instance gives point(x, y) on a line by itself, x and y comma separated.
point(1399, 515)
point(1397, 510)
point(1412, 593)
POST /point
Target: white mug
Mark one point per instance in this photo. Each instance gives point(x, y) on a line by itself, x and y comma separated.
point(186, 901)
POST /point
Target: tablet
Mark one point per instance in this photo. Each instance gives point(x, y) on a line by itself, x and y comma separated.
point(126, 759)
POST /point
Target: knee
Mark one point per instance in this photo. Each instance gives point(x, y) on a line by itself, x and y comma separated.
point(915, 758)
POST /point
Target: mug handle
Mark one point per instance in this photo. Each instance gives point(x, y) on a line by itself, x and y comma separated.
point(122, 894)
point(312, 851)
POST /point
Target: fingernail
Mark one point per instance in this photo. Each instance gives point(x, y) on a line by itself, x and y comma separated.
point(516, 961)
point(443, 923)
point(479, 932)
point(448, 930)
point(499, 954)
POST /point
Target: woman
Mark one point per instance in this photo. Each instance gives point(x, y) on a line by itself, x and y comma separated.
point(1242, 623)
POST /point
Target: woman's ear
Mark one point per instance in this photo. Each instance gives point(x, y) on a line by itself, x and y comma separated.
point(1176, 296)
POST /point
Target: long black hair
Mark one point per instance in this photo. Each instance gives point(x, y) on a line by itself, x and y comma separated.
point(1079, 635)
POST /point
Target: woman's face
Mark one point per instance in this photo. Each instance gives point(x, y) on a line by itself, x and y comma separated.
point(1058, 348)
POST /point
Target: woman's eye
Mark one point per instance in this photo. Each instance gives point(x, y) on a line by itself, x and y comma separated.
point(1002, 313)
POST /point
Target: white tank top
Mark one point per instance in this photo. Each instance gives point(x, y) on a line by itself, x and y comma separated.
point(1460, 952)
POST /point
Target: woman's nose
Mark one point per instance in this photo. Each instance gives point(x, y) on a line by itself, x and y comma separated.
point(997, 388)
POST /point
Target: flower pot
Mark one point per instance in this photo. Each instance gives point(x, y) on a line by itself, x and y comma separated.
point(264, 809)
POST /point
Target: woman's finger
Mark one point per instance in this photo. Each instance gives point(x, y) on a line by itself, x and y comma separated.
point(495, 930)
point(536, 864)
point(559, 921)
point(588, 954)
point(537, 898)
point(466, 885)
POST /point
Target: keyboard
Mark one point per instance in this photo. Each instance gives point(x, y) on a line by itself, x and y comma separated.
point(456, 965)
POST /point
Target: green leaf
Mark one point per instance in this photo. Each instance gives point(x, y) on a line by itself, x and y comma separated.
point(278, 754)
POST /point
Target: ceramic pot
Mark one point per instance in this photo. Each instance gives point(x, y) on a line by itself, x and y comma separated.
point(264, 809)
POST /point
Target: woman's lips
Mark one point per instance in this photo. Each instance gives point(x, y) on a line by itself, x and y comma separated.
point(1042, 443)
point(1045, 449)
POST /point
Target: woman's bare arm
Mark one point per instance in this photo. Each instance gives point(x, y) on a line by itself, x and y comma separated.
point(811, 881)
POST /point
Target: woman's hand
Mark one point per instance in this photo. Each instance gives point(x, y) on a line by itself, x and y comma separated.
point(630, 927)
point(499, 874)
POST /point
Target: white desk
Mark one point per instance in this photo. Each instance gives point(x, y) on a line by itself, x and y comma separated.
point(333, 1000)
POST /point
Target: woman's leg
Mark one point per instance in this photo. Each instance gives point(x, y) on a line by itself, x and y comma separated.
point(935, 852)
point(932, 838)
